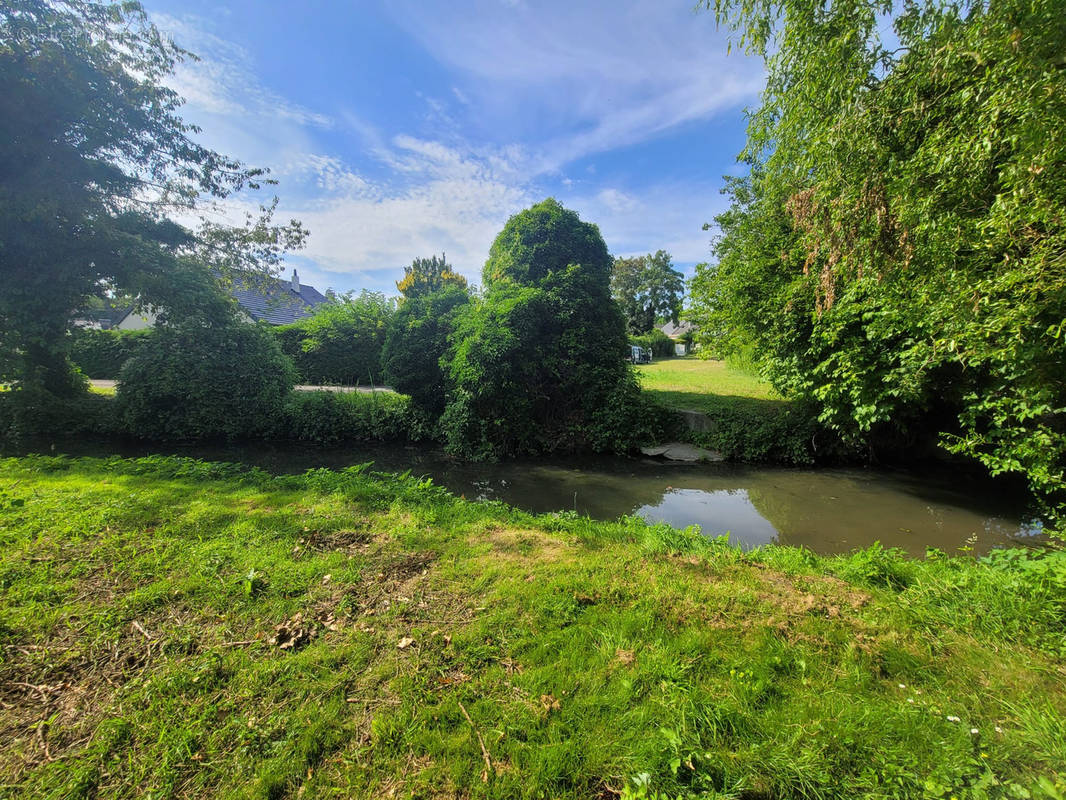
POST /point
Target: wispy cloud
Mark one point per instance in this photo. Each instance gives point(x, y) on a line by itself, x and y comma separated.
point(440, 199)
point(597, 75)
point(548, 85)
point(222, 80)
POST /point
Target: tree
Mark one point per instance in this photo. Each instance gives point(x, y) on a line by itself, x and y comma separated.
point(647, 288)
point(539, 365)
point(416, 340)
point(93, 158)
point(428, 275)
point(902, 233)
point(542, 240)
point(341, 343)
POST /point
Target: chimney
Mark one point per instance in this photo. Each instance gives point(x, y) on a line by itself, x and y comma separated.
point(295, 281)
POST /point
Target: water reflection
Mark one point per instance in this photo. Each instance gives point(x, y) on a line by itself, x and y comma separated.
point(826, 510)
point(723, 511)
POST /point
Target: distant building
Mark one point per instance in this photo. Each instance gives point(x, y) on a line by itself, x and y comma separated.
point(277, 301)
point(111, 318)
point(678, 332)
point(270, 300)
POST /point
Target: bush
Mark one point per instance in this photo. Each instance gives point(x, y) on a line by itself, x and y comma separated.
point(330, 417)
point(768, 431)
point(540, 364)
point(416, 341)
point(660, 345)
point(225, 381)
point(342, 342)
point(101, 354)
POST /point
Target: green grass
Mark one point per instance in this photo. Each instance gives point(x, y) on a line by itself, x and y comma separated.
point(450, 649)
point(746, 419)
point(700, 385)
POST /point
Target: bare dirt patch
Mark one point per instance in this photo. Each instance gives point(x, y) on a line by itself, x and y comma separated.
point(524, 545)
point(822, 597)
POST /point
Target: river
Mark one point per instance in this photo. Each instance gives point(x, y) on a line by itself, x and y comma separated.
point(826, 510)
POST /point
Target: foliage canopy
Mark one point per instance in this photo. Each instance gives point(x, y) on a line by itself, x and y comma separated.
point(93, 158)
point(898, 252)
point(341, 343)
point(416, 341)
point(541, 240)
point(647, 288)
point(428, 275)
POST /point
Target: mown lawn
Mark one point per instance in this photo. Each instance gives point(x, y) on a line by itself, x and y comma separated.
point(746, 419)
point(171, 628)
point(697, 384)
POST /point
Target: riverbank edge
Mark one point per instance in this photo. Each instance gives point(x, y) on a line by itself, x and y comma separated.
point(741, 430)
point(762, 435)
point(166, 612)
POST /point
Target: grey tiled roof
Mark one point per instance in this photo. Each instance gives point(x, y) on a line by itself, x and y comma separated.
point(676, 331)
point(276, 302)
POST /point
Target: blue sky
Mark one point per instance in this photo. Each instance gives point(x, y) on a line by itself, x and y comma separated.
point(403, 128)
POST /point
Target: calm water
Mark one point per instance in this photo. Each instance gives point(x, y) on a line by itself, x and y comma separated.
point(827, 510)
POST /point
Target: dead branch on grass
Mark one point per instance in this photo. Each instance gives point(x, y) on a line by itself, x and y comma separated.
point(484, 751)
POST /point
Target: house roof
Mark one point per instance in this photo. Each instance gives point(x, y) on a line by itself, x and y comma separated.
point(277, 301)
point(103, 318)
point(272, 300)
point(678, 330)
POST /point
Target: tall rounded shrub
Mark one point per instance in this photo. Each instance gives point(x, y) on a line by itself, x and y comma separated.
point(539, 364)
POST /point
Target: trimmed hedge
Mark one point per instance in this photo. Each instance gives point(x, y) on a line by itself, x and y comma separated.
point(342, 342)
point(102, 354)
point(331, 417)
point(35, 413)
point(197, 382)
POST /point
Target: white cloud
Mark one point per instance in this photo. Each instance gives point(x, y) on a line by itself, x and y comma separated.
point(584, 79)
point(600, 74)
point(616, 200)
point(442, 200)
point(667, 217)
point(364, 232)
point(222, 79)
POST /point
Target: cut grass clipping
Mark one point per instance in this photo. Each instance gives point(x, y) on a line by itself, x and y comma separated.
point(173, 628)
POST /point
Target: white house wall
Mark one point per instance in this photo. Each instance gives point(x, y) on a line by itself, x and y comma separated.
point(138, 320)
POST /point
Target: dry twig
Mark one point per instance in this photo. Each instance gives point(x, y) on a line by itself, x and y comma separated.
point(140, 629)
point(484, 752)
point(42, 737)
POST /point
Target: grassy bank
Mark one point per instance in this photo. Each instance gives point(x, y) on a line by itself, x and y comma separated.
point(749, 421)
point(177, 629)
point(698, 384)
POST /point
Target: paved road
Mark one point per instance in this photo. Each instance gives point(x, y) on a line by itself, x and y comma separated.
point(102, 384)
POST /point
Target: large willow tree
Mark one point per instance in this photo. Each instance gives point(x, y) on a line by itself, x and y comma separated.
point(897, 253)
